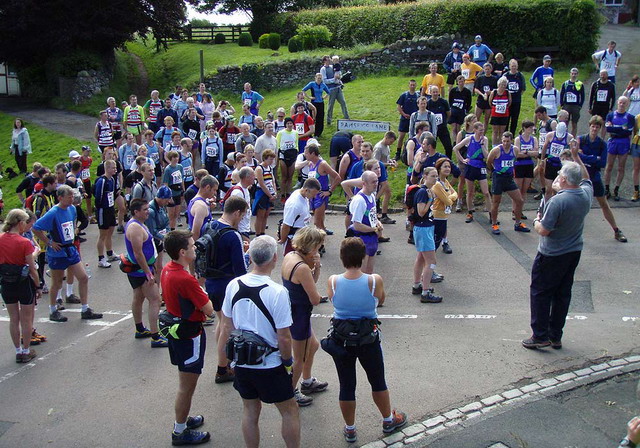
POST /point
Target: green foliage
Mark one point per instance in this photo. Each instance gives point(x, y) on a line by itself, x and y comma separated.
point(295, 44)
point(71, 64)
point(314, 36)
point(274, 41)
point(197, 23)
point(220, 39)
point(573, 25)
point(245, 40)
point(263, 41)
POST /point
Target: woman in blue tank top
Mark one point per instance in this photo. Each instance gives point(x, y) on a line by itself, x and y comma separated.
point(355, 297)
point(300, 272)
point(527, 146)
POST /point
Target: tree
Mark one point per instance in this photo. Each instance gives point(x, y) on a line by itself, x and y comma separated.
point(35, 31)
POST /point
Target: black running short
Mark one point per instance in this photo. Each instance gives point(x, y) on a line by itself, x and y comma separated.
point(268, 385)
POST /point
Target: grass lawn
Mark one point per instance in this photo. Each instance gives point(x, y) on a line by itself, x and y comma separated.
point(49, 148)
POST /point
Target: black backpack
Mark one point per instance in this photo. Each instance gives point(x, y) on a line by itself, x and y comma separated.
point(206, 263)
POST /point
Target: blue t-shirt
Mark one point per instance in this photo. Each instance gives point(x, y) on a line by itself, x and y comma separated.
point(252, 99)
point(422, 197)
point(358, 168)
point(317, 90)
point(59, 224)
point(539, 75)
point(479, 53)
point(230, 249)
point(408, 102)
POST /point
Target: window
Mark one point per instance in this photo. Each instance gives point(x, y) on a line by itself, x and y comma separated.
point(613, 2)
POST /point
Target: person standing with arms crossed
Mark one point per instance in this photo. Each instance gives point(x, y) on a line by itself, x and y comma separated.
point(560, 224)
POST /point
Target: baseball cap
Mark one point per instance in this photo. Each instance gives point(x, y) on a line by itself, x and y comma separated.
point(478, 37)
point(231, 118)
point(456, 45)
point(164, 192)
point(209, 123)
point(561, 129)
point(86, 148)
point(313, 141)
point(73, 154)
point(546, 57)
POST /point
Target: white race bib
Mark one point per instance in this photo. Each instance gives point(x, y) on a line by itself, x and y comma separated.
point(85, 174)
point(526, 147)
point(483, 171)
point(247, 102)
point(543, 136)
point(476, 54)
point(608, 65)
point(188, 171)
point(556, 149)
point(466, 72)
point(130, 159)
point(438, 119)
point(176, 177)
point(300, 128)
point(602, 95)
point(211, 151)
point(456, 66)
point(571, 97)
point(289, 145)
point(231, 139)
point(192, 134)
point(67, 230)
point(458, 103)
point(512, 86)
point(155, 157)
point(313, 174)
point(545, 77)
point(501, 108)
point(507, 164)
point(110, 198)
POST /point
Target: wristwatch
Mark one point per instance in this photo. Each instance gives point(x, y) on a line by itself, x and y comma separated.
point(628, 443)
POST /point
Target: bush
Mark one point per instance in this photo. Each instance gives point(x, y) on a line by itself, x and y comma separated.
point(274, 41)
point(245, 40)
point(220, 39)
point(573, 25)
point(263, 41)
point(295, 44)
point(314, 35)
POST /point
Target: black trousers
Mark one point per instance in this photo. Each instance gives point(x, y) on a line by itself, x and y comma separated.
point(514, 115)
point(550, 293)
point(445, 137)
point(319, 118)
point(21, 161)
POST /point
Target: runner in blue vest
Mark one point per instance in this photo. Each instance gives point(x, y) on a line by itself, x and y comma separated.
point(555, 143)
point(620, 126)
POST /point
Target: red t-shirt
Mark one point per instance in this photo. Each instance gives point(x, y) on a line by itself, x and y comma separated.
point(301, 123)
point(181, 290)
point(14, 248)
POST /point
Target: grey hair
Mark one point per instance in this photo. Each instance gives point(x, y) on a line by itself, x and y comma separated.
point(245, 172)
point(503, 80)
point(262, 249)
point(65, 190)
point(571, 172)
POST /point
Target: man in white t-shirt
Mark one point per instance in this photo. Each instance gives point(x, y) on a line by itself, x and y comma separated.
point(607, 60)
point(247, 178)
point(382, 149)
point(257, 306)
point(296, 213)
point(364, 218)
point(266, 140)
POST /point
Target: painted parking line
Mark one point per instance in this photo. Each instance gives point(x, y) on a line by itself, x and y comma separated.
point(380, 316)
point(630, 318)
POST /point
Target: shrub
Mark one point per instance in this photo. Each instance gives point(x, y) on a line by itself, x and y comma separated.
point(274, 41)
point(573, 25)
point(220, 38)
point(245, 40)
point(295, 44)
point(263, 41)
point(314, 36)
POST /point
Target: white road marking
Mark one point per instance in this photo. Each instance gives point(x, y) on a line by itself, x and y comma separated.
point(470, 316)
point(380, 316)
point(577, 318)
point(630, 318)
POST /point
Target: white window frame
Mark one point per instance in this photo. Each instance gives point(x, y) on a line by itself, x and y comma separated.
point(613, 2)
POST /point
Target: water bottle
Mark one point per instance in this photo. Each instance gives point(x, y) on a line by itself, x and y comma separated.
point(87, 269)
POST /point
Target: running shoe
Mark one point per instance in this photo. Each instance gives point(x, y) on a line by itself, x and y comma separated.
point(72, 298)
point(636, 196)
point(24, 358)
point(520, 227)
point(436, 278)
point(446, 248)
point(556, 344)
point(302, 399)
point(120, 229)
point(387, 220)
point(313, 387)
point(82, 240)
point(350, 435)
point(195, 422)
point(410, 240)
point(112, 258)
point(538, 196)
point(159, 343)
point(417, 290)
point(328, 232)
point(459, 207)
point(45, 289)
point(227, 377)
point(33, 340)
point(522, 217)
point(59, 305)
point(469, 218)
point(383, 239)
point(430, 297)
point(398, 421)
point(57, 316)
point(104, 264)
point(533, 343)
point(189, 437)
point(89, 314)
point(40, 337)
point(620, 236)
point(607, 194)
point(532, 190)
point(495, 229)
point(616, 196)
point(146, 333)
point(93, 220)
point(324, 299)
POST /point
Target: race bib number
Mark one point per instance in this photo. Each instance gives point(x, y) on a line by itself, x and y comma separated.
point(289, 145)
point(247, 102)
point(438, 118)
point(456, 66)
point(486, 88)
point(67, 230)
point(155, 157)
point(545, 77)
point(211, 151)
point(176, 177)
point(231, 139)
point(483, 171)
point(513, 86)
point(607, 65)
point(110, 198)
point(501, 108)
point(526, 148)
point(466, 72)
point(507, 164)
point(373, 216)
point(555, 149)
point(313, 174)
point(192, 134)
point(602, 95)
point(130, 159)
point(458, 103)
point(476, 54)
point(571, 97)
point(300, 128)
point(188, 171)
point(85, 174)
point(543, 137)
point(270, 187)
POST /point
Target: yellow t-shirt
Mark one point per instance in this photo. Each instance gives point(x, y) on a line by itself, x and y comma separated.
point(470, 71)
point(636, 138)
point(435, 80)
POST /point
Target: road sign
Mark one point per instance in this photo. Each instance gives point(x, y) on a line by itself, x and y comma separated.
point(364, 125)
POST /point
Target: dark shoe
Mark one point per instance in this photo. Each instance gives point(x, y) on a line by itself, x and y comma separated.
point(59, 305)
point(159, 343)
point(190, 437)
point(430, 297)
point(324, 299)
point(533, 343)
point(469, 218)
point(522, 217)
point(302, 399)
point(556, 344)
point(495, 229)
point(538, 196)
point(620, 236)
point(146, 333)
point(410, 240)
point(416, 290)
point(120, 229)
point(350, 435)
point(82, 240)
point(446, 248)
point(607, 194)
point(315, 386)
point(209, 321)
point(399, 420)
point(387, 220)
point(383, 239)
point(532, 190)
point(89, 314)
point(520, 227)
point(57, 317)
point(616, 196)
point(328, 232)
point(26, 357)
point(72, 299)
point(227, 377)
point(195, 422)
point(436, 278)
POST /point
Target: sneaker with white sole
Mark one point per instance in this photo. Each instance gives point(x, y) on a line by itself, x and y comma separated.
point(104, 264)
point(302, 399)
point(313, 387)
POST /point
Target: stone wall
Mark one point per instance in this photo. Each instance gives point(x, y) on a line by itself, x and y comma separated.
point(298, 72)
point(85, 85)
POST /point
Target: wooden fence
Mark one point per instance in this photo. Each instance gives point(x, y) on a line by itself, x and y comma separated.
point(190, 33)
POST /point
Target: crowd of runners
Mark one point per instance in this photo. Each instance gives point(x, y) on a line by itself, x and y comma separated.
point(165, 164)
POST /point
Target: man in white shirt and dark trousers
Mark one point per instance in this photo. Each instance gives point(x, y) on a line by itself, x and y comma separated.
point(256, 308)
point(247, 178)
point(296, 212)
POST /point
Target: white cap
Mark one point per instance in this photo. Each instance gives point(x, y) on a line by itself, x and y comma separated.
point(561, 129)
point(313, 141)
point(74, 154)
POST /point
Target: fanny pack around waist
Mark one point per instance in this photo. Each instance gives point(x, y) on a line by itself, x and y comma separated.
point(247, 348)
point(174, 327)
point(13, 273)
point(354, 332)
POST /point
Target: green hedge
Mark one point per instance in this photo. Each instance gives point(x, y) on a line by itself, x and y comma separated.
point(508, 26)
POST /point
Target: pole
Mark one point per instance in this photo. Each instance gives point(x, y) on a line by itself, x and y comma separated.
point(201, 65)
